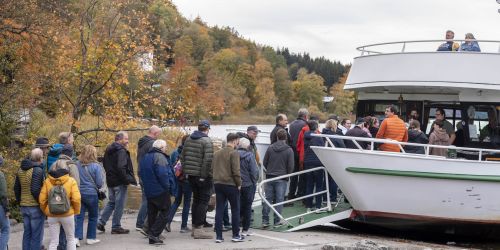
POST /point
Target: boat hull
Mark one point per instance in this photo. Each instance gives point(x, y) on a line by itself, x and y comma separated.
point(399, 191)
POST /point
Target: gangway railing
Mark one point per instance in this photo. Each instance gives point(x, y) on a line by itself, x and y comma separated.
point(326, 191)
point(427, 147)
point(487, 46)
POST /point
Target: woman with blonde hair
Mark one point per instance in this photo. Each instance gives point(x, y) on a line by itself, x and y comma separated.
point(58, 214)
point(91, 181)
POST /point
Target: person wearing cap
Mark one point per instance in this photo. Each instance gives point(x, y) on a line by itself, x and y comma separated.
point(249, 178)
point(27, 187)
point(281, 123)
point(43, 144)
point(4, 210)
point(251, 135)
point(392, 128)
point(357, 131)
point(196, 160)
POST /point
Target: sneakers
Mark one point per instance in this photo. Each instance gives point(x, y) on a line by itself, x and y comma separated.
point(288, 205)
point(199, 233)
point(280, 223)
point(185, 229)
point(141, 230)
point(265, 224)
point(319, 211)
point(93, 241)
point(206, 224)
point(101, 228)
point(238, 238)
point(309, 210)
point(77, 241)
point(246, 233)
point(155, 241)
point(219, 240)
point(120, 230)
point(167, 227)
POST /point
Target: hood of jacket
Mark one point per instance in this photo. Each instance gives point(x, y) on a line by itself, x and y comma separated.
point(441, 135)
point(60, 175)
point(157, 150)
point(244, 153)
point(327, 131)
point(27, 164)
point(279, 146)
point(197, 135)
point(114, 147)
point(56, 150)
point(144, 140)
point(414, 134)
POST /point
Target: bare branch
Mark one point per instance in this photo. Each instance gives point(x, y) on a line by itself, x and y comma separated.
point(110, 130)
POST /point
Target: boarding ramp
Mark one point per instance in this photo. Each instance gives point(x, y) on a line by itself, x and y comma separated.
point(297, 217)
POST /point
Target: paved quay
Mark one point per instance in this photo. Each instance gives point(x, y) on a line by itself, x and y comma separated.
point(305, 239)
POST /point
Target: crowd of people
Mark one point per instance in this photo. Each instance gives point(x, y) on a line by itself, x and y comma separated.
point(56, 185)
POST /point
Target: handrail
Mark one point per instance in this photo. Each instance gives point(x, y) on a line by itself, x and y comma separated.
point(363, 49)
point(327, 191)
point(427, 147)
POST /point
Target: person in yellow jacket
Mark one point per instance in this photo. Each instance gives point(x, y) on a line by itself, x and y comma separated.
point(60, 174)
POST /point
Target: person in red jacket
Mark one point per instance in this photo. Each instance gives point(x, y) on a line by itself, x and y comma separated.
point(392, 128)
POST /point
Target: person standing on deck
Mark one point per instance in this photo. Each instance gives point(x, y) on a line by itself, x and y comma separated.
point(450, 130)
point(449, 45)
point(249, 178)
point(297, 184)
point(392, 128)
point(144, 145)
point(281, 123)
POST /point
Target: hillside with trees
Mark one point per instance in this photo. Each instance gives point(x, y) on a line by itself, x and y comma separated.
point(119, 61)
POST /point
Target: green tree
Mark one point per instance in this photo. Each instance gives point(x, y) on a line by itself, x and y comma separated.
point(309, 89)
point(283, 89)
point(343, 100)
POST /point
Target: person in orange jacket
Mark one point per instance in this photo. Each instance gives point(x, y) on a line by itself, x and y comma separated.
point(392, 128)
point(59, 174)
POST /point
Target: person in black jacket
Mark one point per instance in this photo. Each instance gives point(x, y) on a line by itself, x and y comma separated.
point(415, 135)
point(357, 131)
point(281, 123)
point(144, 145)
point(314, 180)
point(119, 174)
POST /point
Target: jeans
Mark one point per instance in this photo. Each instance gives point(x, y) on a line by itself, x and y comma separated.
point(33, 220)
point(90, 203)
point(183, 191)
point(143, 210)
point(225, 193)
point(225, 216)
point(4, 229)
point(332, 186)
point(246, 199)
point(314, 179)
point(157, 213)
point(116, 203)
point(202, 191)
point(68, 223)
point(275, 191)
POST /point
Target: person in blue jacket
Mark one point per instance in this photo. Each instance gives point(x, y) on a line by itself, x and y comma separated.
point(159, 183)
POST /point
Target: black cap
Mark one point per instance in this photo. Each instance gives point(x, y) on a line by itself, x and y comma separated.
point(67, 150)
point(42, 142)
point(204, 123)
point(253, 128)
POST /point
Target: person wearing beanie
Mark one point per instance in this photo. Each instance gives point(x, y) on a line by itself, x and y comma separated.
point(249, 176)
point(4, 210)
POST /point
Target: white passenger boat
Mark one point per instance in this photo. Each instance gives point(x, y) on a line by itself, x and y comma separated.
point(404, 191)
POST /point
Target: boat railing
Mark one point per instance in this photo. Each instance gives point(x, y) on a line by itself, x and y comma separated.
point(326, 191)
point(487, 46)
point(328, 143)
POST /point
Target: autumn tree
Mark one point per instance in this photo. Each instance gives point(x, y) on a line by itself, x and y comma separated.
point(308, 89)
point(343, 100)
point(282, 89)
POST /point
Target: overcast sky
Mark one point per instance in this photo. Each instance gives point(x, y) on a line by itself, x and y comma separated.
point(334, 28)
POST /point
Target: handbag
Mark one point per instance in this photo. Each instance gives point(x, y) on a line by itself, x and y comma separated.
point(101, 195)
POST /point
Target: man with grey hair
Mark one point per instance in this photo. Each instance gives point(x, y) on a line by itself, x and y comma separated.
point(145, 145)
point(297, 184)
point(449, 45)
point(119, 174)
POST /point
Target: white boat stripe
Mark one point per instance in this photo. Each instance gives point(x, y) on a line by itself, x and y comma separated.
point(280, 239)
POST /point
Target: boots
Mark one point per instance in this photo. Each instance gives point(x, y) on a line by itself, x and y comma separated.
point(199, 233)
